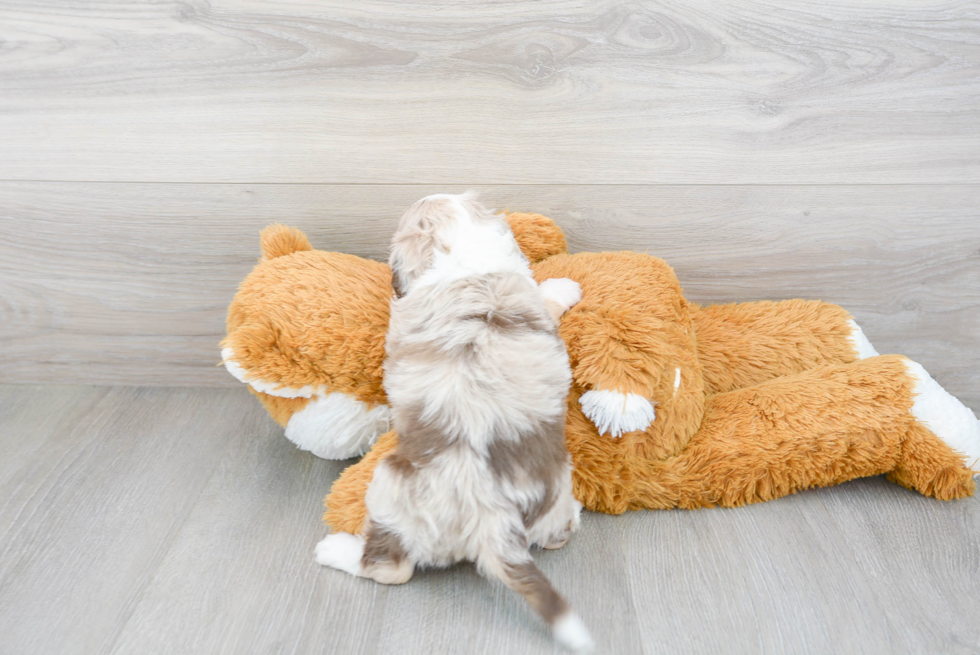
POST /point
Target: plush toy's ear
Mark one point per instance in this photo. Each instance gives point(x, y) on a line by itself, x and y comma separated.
point(279, 240)
point(537, 235)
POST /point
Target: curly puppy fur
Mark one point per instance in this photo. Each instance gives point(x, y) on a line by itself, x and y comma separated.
point(477, 380)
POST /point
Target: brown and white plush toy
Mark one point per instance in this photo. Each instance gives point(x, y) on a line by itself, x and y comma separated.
point(672, 404)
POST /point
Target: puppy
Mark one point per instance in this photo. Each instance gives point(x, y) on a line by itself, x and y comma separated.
point(476, 378)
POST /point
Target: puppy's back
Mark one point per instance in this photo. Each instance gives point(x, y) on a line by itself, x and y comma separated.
point(479, 357)
point(476, 378)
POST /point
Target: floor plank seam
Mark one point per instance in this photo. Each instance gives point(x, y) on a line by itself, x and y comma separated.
point(73, 454)
point(172, 537)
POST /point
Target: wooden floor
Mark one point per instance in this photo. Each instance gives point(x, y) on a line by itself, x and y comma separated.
point(153, 520)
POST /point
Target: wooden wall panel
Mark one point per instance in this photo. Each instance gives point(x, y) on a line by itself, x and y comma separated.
point(691, 91)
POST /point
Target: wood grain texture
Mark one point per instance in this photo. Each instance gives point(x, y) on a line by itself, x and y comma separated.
point(129, 282)
point(697, 91)
point(90, 511)
point(926, 568)
point(243, 562)
point(465, 613)
point(767, 150)
point(32, 417)
point(160, 521)
point(240, 578)
point(865, 567)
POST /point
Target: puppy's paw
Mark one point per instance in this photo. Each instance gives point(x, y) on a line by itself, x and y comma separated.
point(559, 539)
point(562, 290)
point(616, 413)
point(341, 550)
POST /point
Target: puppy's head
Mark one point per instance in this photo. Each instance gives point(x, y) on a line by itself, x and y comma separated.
point(443, 224)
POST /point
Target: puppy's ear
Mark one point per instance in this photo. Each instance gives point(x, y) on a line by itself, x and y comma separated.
point(398, 285)
point(422, 231)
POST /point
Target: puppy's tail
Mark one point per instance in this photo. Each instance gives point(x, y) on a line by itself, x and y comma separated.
point(278, 240)
point(526, 578)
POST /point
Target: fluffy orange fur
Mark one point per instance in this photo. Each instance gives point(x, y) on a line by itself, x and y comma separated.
point(538, 235)
point(770, 400)
point(315, 318)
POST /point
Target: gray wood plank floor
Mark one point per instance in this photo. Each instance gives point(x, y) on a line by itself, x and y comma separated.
point(160, 520)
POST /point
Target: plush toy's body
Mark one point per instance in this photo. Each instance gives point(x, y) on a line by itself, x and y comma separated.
point(696, 406)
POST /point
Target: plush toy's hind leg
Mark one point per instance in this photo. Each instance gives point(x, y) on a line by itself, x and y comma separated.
point(818, 428)
point(740, 345)
point(945, 416)
point(930, 468)
point(943, 467)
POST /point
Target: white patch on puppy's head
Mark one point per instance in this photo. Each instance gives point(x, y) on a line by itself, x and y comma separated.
point(444, 237)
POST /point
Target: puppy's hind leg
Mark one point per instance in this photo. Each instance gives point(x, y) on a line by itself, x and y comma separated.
point(378, 555)
point(558, 538)
point(384, 557)
point(553, 530)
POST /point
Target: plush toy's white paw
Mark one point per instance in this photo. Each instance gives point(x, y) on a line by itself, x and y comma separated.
point(945, 416)
point(341, 550)
point(337, 426)
point(562, 290)
point(617, 413)
point(862, 346)
point(264, 386)
point(571, 633)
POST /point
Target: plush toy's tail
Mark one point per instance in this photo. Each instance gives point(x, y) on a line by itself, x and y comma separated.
point(278, 240)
